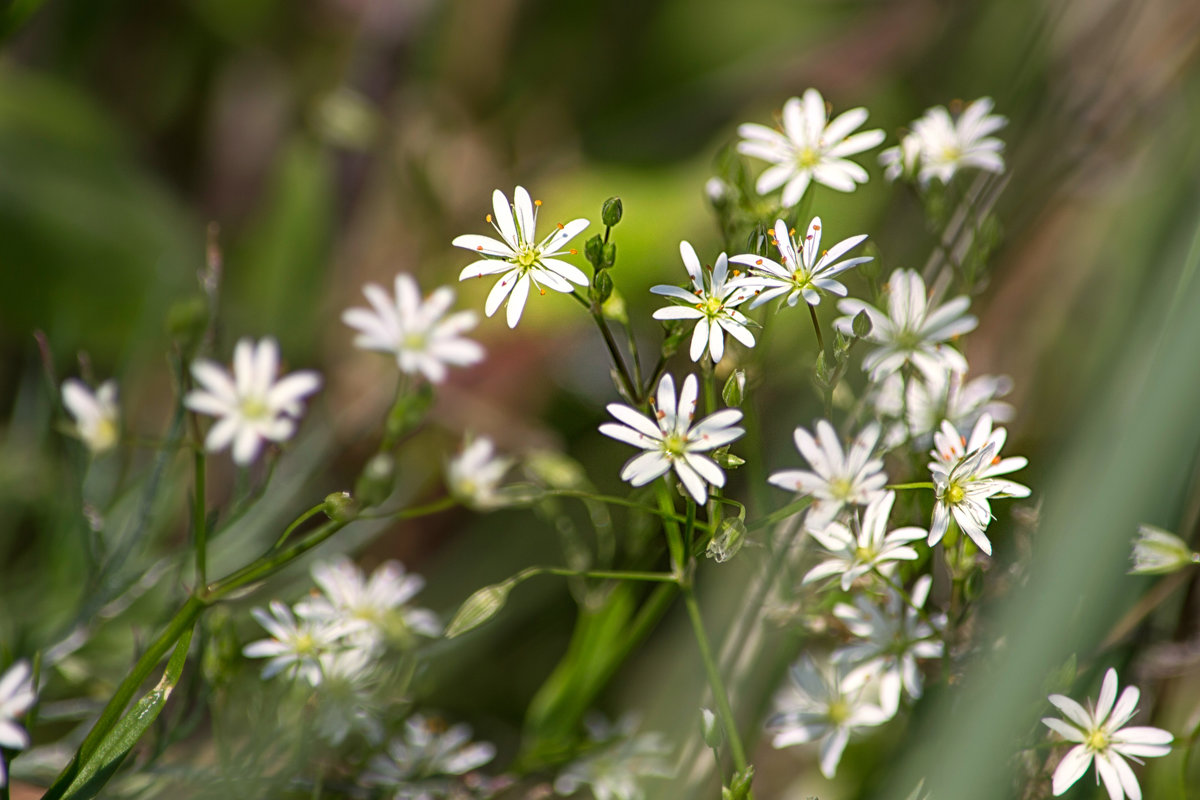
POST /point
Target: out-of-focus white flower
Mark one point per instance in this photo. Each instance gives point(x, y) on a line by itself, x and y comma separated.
point(948, 144)
point(348, 699)
point(810, 148)
point(890, 639)
point(672, 441)
point(424, 760)
point(380, 601)
point(1157, 552)
point(910, 330)
point(517, 254)
point(474, 475)
point(901, 161)
point(1100, 735)
point(616, 761)
point(874, 547)
point(296, 647)
point(820, 704)
point(928, 400)
point(418, 332)
point(97, 417)
point(710, 303)
point(16, 698)
point(803, 270)
point(838, 478)
point(962, 491)
point(250, 405)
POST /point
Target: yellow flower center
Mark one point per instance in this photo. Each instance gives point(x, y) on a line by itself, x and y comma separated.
point(527, 257)
point(864, 554)
point(1096, 741)
point(841, 488)
point(254, 408)
point(808, 158)
point(951, 153)
point(713, 306)
point(305, 644)
point(673, 445)
point(104, 436)
point(955, 494)
point(839, 712)
point(413, 341)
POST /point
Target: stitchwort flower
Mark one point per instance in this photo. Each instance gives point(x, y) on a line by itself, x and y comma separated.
point(474, 475)
point(711, 303)
point(518, 257)
point(297, 647)
point(250, 405)
point(1157, 552)
point(838, 478)
point(670, 440)
point(961, 491)
point(616, 761)
point(873, 548)
point(425, 761)
point(803, 270)
point(97, 418)
point(16, 698)
point(949, 447)
point(948, 144)
point(380, 601)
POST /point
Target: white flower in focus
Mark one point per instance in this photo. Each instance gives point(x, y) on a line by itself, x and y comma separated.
point(901, 161)
point(949, 447)
point(803, 270)
point(474, 474)
point(616, 761)
point(672, 441)
point(379, 601)
point(418, 332)
point(820, 704)
point(428, 751)
point(517, 254)
point(711, 303)
point(810, 148)
point(296, 647)
point(1100, 736)
point(961, 490)
point(97, 417)
point(910, 330)
point(890, 639)
point(948, 144)
point(250, 405)
point(838, 478)
point(874, 548)
point(16, 698)
point(1157, 552)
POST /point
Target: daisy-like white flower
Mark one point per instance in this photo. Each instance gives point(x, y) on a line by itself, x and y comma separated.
point(821, 704)
point(874, 547)
point(890, 639)
point(616, 761)
point(1101, 736)
point(910, 330)
point(838, 478)
point(803, 270)
point(948, 144)
point(950, 397)
point(417, 764)
point(672, 441)
point(418, 332)
point(297, 647)
point(949, 447)
point(474, 475)
point(810, 148)
point(16, 697)
point(518, 257)
point(901, 161)
point(348, 699)
point(962, 491)
point(380, 601)
point(97, 417)
point(1157, 552)
point(711, 303)
point(250, 405)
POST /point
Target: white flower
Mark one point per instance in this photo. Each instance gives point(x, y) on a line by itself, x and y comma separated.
point(250, 405)
point(97, 417)
point(297, 647)
point(910, 331)
point(417, 332)
point(16, 697)
point(519, 256)
point(672, 441)
point(837, 478)
point(950, 397)
point(821, 704)
point(949, 447)
point(348, 699)
point(1100, 735)
point(427, 750)
point(1157, 552)
point(810, 148)
point(616, 761)
point(873, 548)
point(963, 492)
point(901, 161)
point(711, 303)
point(380, 601)
point(803, 270)
point(890, 640)
point(475, 473)
point(948, 144)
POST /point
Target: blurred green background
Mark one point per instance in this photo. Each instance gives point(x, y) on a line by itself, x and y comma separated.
point(339, 141)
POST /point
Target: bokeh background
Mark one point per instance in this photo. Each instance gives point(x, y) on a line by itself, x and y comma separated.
point(332, 142)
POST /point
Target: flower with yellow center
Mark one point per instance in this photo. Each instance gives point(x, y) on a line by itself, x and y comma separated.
point(296, 647)
point(851, 556)
point(838, 477)
point(949, 143)
point(97, 418)
point(711, 302)
point(962, 491)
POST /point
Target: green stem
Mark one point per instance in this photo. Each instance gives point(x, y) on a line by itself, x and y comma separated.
point(603, 574)
point(614, 501)
point(200, 519)
point(714, 678)
point(671, 528)
point(812, 312)
point(781, 514)
point(441, 504)
point(631, 390)
point(270, 563)
point(917, 485)
point(296, 523)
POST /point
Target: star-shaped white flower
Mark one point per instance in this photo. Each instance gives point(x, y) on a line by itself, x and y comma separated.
point(427, 749)
point(924, 401)
point(961, 491)
point(948, 144)
point(838, 478)
point(1158, 552)
point(474, 475)
point(250, 405)
point(298, 648)
point(910, 330)
point(949, 447)
point(97, 417)
point(803, 270)
point(810, 148)
point(16, 698)
point(874, 547)
point(1101, 736)
point(672, 441)
point(380, 601)
point(519, 257)
point(418, 332)
point(711, 303)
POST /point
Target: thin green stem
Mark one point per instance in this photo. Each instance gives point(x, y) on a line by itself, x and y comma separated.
point(714, 679)
point(200, 518)
point(614, 501)
point(602, 574)
point(917, 485)
point(671, 528)
point(296, 523)
point(812, 312)
point(441, 504)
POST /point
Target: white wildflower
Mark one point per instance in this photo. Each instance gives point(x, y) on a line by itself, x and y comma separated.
point(710, 303)
point(838, 478)
point(851, 556)
point(296, 647)
point(803, 270)
point(380, 601)
point(474, 475)
point(616, 761)
point(97, 417)
point(16, 698)
point(948, 144)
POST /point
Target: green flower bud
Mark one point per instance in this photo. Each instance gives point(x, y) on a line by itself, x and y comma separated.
point(610, 212)
point(735, 389)
point(609, 255)
point(1157, 552)
point(861, 324)
point(602, 286)
point(593, 251)
point(340, 507)
point(479, 608)
point(409, 411)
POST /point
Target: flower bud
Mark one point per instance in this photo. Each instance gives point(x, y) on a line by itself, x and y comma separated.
point(602, 286)
point(610, 212)
point(608, 255)
point(593, 251)
point(735, 389)
point(340, 507)
point(479, 608)
point(376, 481)
point(1156, 552)
point(861, 324)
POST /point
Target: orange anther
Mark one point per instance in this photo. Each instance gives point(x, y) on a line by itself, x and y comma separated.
point(816, 227)
point(537, 202)
point(560, 226)
point(479, 247)
point(758, 262)
point(573, 251)
point(995, 460)
point(488, 218)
